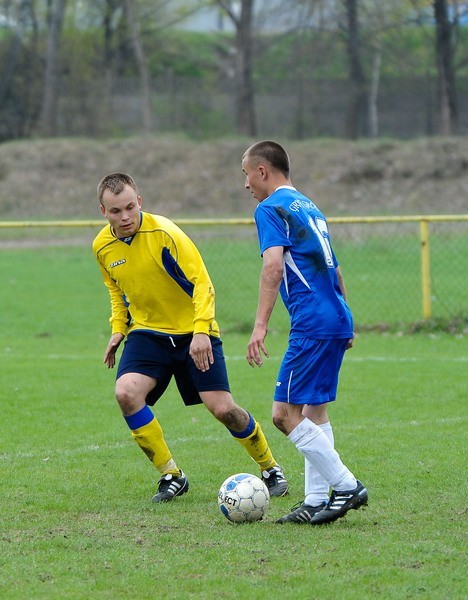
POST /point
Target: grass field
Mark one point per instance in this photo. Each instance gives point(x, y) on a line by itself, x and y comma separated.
point(77, 521)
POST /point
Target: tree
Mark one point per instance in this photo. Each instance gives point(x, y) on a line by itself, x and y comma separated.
point(145, 85)
point(108, 11)
point(357, 103)
point(447, 98)
point(51, 91)
point(245, 106)
point(20, 68)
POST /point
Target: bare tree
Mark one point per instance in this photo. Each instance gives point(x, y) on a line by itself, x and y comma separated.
point(245, 98)
point(10, 64)
point(51, 92)
point(374, 93)
point(108, 13)
point(357, 104)
point(145, 85)
point(447, 98)
point(20, 67)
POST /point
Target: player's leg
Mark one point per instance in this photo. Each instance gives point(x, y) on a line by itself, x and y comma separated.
point(131, 391)
point(313, 443)
point(248, 432)
point(309, 375)
point(310, 370)
point(316, 488)
point(286, 418)
point(142, 377)
point(316, 448)
point(213, 388)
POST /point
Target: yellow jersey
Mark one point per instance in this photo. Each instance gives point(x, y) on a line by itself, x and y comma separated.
point(157, 280)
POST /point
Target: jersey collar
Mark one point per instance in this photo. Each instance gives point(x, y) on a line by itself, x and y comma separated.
point(285, 187)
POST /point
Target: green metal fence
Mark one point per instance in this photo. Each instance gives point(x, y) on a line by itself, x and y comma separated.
point(398, 270)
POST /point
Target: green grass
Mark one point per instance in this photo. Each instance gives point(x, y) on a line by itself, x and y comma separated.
point(77, 521)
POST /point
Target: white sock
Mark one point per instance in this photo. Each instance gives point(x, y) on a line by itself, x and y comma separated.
point(316, 487)
point(314, 445)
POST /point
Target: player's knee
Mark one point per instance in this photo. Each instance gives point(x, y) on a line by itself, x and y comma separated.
point(233, 417)
point(126, 399)
point(222, 412)
point(280, 422)
point(221, 405)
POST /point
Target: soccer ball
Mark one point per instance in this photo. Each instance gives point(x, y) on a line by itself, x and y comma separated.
point(243, 497)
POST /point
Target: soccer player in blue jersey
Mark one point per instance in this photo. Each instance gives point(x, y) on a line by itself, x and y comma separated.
point(163, 302)
point(299, 263)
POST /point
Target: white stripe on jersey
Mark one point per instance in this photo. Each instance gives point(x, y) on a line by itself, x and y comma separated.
point(288, 260)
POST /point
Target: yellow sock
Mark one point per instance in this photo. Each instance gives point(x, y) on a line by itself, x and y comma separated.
point(257, 446)
point(150, 438)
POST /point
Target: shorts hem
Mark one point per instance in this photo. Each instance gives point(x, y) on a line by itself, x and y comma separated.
point(217, 388)
point(303, 402)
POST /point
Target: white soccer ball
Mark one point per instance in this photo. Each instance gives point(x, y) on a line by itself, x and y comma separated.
point(243, 497)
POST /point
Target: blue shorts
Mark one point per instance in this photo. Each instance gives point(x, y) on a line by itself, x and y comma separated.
point(162, 356)
point(309, 371)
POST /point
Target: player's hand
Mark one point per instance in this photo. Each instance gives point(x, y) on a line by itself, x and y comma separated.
point(114, 343)
point(201, 351)
point(256, 347)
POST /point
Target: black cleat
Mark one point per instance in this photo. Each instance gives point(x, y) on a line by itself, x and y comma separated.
point(171, 486)
point(275, 481)
point(340, 503)
point(302, 513)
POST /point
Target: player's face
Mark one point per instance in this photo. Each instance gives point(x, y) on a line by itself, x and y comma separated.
point(255, 179)
point(122, 211)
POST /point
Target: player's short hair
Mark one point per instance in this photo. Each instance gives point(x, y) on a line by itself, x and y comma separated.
point(270, 152)
point(115, 183)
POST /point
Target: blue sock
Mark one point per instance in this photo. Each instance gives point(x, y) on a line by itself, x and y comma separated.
point(139, 419)
point(247, 431)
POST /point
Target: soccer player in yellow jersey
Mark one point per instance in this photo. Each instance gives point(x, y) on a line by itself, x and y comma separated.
point(163, 302)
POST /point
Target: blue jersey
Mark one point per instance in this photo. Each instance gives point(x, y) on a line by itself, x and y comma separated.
point(310, 289)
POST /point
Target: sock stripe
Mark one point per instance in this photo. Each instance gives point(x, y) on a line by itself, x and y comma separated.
point(247, 431)
point(140, 418)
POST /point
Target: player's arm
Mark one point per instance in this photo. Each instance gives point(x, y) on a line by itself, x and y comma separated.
point(118, 319)
point(204, 314)
point(270, 281)
point(341, 283)
point(112, 346)
point(119, 310)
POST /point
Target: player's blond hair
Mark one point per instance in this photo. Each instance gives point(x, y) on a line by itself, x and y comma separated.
point(115, 183)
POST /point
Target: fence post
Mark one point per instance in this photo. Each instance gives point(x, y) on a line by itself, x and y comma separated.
point(425, 270)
